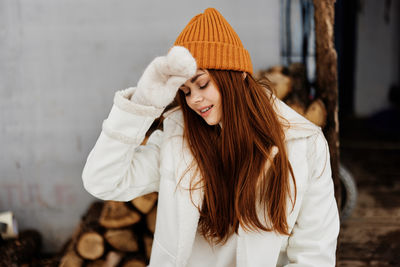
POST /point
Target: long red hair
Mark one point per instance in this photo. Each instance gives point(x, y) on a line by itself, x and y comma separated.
point(238, 189)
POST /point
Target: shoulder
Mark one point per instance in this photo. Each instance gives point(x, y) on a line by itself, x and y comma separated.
point(175, 115)
point(295, 125)
point(173, 122)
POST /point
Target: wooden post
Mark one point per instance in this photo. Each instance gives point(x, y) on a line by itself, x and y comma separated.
point(327, 86)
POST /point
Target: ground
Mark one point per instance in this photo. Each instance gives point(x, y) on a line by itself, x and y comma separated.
point(370, 149)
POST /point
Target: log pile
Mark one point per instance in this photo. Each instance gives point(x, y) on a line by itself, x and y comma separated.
point(113, 233)
point(291, 86)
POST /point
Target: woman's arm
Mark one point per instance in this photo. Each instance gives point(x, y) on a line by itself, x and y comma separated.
point(118, 167)
point(314, 236)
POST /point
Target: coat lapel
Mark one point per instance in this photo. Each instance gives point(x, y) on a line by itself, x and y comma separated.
point(188, 214)
point(188, 221)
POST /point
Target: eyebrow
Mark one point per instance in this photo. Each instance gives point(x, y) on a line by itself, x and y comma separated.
point(193, 79)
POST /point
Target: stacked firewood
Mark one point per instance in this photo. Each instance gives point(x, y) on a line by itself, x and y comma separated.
point(113, 233)
point(290, 85)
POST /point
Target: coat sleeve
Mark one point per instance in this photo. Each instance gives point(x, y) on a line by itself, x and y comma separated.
point(314, 235)
point(118, 167)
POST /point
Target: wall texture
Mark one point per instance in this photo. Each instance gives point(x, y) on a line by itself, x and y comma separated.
point(60, 64)
point(377, 58)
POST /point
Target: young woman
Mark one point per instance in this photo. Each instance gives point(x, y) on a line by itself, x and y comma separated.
point(243, 180)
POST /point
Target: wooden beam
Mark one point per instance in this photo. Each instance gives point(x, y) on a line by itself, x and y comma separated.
point(327, 85)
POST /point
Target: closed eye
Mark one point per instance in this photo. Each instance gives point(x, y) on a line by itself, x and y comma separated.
point(204, 86)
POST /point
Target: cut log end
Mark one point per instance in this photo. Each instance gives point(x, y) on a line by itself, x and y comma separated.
point(117, 214)
point(316, 113)
point(123, 240)
point(90, 246)
point(145, 203)
point(281, 84)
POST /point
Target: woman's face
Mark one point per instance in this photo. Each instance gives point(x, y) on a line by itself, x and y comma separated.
point(203, 96)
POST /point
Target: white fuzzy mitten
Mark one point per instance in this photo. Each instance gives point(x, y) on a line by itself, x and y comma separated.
point(163, 76)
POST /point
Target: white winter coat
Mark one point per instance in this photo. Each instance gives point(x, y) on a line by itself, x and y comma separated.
point(119, 168)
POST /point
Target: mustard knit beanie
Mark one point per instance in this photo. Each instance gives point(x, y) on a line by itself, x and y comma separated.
point(214, 44)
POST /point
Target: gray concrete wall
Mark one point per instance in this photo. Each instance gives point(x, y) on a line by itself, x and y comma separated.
point(60, 64)
point(377, 56)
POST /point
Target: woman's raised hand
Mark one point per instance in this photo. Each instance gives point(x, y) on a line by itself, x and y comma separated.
point(163, 77)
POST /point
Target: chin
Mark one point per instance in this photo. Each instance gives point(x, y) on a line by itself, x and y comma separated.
point(212, 122)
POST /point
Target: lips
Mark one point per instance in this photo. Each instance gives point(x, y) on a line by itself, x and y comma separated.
point(204, 111)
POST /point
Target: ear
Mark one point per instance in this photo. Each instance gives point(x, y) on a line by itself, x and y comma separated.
point(244, 75)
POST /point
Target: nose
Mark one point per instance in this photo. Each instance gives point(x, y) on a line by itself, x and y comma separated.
point(196, 96)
